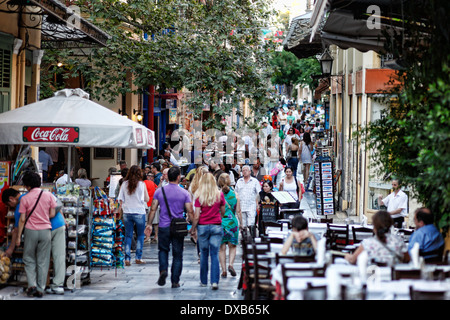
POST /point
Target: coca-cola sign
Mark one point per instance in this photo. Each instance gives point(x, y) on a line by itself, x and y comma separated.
point(51, 134)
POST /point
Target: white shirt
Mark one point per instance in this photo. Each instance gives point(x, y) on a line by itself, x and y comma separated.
point(133, 203)
point(267, 130)
point(248, 141)
point(173, 160)
point(394, 202)
point(63, 179)
point(247, 192)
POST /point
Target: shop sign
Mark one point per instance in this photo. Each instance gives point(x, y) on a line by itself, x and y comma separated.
point(139, 136)
point(51, 134)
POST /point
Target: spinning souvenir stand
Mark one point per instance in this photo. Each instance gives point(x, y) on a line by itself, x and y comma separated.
point(76, 209)
point(323, 179)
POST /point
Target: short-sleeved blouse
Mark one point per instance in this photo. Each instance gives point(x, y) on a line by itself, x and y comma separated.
point(379, 253)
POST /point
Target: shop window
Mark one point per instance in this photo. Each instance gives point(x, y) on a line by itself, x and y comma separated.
point(5, 78)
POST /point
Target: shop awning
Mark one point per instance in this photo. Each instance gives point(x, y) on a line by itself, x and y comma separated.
point(297, 40)
point(342, 30)
point(60, 26)
point(345, 22)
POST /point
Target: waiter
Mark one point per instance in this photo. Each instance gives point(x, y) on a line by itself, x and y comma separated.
point(396, 203)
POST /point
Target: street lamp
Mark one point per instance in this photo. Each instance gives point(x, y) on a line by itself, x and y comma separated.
point(326, 63)
point(138, 115)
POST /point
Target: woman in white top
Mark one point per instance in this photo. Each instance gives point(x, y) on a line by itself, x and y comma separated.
point(283, 119)
point(306, 147)
point(288, 140)
point(272, 156)
point(290, 184)
point(133, 197)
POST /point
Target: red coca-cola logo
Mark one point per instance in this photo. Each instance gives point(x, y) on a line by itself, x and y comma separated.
point(51, 134)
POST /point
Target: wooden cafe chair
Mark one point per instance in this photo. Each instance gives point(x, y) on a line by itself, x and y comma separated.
point(262, 287)
point(337, 236)
point(360, 233)
point(291, 271)
point(416, 294)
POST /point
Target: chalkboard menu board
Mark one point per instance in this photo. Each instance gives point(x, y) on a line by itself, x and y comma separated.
point(269, 212)
point(323, 178)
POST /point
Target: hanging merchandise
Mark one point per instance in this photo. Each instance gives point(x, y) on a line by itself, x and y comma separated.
point(118, 244)
point(103, 231)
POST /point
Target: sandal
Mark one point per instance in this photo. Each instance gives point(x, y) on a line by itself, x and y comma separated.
point(232, 272)
point(224, 274)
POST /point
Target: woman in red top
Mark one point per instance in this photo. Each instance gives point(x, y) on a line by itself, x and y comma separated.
point(209, 210)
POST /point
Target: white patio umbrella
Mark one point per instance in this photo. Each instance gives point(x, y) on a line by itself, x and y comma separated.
point(70, 119)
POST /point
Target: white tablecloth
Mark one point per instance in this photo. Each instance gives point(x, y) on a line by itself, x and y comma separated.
point(379, 287)
point(318, 229)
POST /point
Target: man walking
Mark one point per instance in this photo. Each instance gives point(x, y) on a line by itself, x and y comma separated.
point(396, 203)
point(156, 170)
point(247, 189)
point(179, 201)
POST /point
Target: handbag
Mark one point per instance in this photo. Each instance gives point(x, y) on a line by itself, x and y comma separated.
point(31, 212)
point(178, 226)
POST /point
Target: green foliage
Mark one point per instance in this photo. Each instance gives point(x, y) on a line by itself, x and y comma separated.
point(214, 50)
point(290, 71)
point(412, 139)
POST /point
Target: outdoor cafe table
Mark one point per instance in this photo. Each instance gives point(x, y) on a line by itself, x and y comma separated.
point(380, 287)
point(318, 229)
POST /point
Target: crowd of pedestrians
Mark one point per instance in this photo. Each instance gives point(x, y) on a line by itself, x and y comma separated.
point(217, 199)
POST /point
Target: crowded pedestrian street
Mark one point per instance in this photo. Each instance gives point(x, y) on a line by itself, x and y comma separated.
point(253, 153)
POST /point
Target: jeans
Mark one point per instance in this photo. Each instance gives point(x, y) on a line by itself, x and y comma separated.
point(209, 239)
point(164, 241)
point(129, 221)
point(293, 163)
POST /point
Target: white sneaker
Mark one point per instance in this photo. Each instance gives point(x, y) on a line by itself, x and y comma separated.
point(214, 286)
point(55, 290)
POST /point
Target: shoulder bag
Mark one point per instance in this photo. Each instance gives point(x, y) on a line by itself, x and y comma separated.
point(397, 257)
point(31, 212)
point(178, 226)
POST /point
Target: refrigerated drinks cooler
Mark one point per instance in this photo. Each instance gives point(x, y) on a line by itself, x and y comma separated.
point(5, 182)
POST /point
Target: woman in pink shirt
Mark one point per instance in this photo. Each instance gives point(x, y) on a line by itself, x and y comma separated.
point(37, 230)
point(209, 210)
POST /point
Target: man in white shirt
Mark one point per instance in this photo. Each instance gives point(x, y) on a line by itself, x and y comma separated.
point(171, 157)
point(247, 189)
point(266, 129)
point(64, 179)
point(396, 203)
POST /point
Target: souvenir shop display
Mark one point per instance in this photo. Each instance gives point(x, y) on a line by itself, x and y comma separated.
point(107, 234)
point(324, 186)
point(76, 209)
